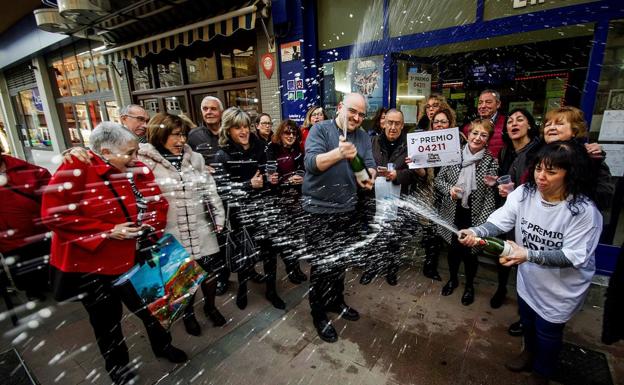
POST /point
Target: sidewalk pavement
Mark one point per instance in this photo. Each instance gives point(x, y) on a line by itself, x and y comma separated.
point(407, 334)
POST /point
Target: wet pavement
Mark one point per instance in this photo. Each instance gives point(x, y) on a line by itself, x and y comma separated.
point(407, 334)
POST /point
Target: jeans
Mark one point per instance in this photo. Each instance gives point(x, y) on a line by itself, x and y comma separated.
point(542, 339)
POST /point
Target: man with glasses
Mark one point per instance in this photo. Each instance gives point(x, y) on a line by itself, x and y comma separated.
point(135, 118)
point(329, 198)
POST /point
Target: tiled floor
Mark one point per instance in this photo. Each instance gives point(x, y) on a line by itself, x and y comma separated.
point(407, 334)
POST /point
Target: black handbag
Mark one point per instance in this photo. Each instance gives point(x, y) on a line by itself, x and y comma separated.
point(240, 249)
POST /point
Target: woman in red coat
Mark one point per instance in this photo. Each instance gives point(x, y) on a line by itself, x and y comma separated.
point(96, 212)
point(22, 236)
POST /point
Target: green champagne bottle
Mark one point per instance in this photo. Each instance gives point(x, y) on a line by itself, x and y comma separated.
point(359, 169)
point(494, 246)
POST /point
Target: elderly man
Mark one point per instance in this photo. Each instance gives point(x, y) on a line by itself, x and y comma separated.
point(329, 197)
point(488, 108)
point(390, 152)
point(135, 118)
point(96, 215)
point(205, 138)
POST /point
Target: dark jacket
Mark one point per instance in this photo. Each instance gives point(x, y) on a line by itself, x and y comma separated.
point(289, 161)
point(605, 186)
point(203, 141)
point(235, 167)
point(406, 177)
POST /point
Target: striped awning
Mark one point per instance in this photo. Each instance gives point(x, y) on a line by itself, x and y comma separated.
point(206, 30)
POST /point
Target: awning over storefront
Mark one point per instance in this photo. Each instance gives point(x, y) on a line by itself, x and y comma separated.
point(205, 30)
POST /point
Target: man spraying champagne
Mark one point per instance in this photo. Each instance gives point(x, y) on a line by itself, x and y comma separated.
point(329, 197)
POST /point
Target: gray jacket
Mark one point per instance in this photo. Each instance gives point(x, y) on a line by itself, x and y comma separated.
point(335, 189)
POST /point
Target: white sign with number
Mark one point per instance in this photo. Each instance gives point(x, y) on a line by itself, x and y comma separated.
point(434, 148)
point(418, 84)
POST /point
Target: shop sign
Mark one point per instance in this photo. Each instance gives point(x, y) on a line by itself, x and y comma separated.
point(268, 65)
point(418, 84)
point(434, 148)
point(555, 88)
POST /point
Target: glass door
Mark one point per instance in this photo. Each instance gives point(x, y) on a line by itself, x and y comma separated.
point(414, 80)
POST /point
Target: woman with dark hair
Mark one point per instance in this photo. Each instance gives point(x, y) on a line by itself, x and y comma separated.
point(466, 200)
point(284, 150)
point(521, 137)
point(559, 227)
point(264, 128)
point(195, 211)
point(241, 168)
point(314, 115)
point(378, 122)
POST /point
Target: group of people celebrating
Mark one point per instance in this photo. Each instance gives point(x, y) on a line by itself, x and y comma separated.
point(292, 192)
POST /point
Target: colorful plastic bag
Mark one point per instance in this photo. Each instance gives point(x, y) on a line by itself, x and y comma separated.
point(164, 285)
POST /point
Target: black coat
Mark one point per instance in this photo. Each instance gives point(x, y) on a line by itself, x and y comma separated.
point(407, 178)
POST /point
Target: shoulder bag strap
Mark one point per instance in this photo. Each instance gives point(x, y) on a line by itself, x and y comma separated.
point(118, 198)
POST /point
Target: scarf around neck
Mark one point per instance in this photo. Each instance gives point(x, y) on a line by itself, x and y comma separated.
point(467, 179)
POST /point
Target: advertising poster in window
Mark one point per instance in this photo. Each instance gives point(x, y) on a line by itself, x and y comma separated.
point(367, 79)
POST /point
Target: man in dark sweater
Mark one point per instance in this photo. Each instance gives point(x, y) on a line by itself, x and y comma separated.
point(329, 198)
point(205, 138)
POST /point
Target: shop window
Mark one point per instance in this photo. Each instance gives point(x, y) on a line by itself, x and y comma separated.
point(62, 84)
point(87, 72)
point(112, 110)
point(169, 74)
point(606, 125)
point(363, 75)
point(101, 73)
point(175, 105)
point(245, 98)
point(202, 69)
point(32, 122)
point(72, 75)
point(141, 76)
point(239, 63)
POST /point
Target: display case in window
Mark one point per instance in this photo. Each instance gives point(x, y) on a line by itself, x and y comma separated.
point(245, 98)
point(101, 72)
point(169, 74)
point(141, 77)
point(112, 110)
point(202, 69)
point(29, 111)
point(239, 63)
point(175, 105)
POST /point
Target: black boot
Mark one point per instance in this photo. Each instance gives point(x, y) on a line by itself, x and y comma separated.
point(241, 296)
point(450, 286)
point(190, 322)
point(295, 275)
point(432, 253)
point(271, 294)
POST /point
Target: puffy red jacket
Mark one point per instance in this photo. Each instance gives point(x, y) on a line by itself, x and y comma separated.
point(80, 209)
point(20, 204)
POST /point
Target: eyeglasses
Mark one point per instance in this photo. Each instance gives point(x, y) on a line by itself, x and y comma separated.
point(353, 111)
point(288, 133)
point(434, 105)
point(179, 135)
point(318, 114)
point(441, 121)
point(139, 118)
point(270, 124)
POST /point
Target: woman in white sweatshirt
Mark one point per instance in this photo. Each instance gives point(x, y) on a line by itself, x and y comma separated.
point(557, 227)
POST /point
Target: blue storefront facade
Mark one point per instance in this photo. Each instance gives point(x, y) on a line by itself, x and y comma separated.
point(539, 54)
